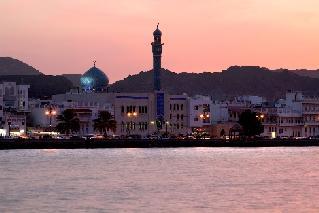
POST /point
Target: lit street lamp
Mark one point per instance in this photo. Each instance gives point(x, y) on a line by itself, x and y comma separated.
point(260, 116)
point(204, 116)
point(166, 124)
point(50, 112)
point(130, 115)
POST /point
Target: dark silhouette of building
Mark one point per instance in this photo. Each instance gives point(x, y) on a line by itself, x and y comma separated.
point(157, 55)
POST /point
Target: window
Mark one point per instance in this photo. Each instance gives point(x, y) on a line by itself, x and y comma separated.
point(170, 106)
point(206, 108)
point(182, 116)
point(177, 116)
point(177, 106)
point(182, 106)
point(145, 109)
point(122, 109)
point(170, 116)
point(196, 107)
point(195, 119)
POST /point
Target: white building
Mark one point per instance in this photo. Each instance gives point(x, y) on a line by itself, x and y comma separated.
point(200, 114)
point(177, 114)
point(14, 105)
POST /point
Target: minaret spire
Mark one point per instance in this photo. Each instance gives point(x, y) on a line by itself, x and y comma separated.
point(94, 62)
point(157, 57)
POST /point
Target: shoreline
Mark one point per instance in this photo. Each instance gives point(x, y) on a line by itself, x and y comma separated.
point(6, 144)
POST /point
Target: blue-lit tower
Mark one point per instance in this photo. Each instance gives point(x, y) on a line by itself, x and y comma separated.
point(157, 56)
point(159, 94)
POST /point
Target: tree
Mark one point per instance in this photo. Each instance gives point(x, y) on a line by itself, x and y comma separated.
point(68, 122)
point(105, 122)
point(251, 123)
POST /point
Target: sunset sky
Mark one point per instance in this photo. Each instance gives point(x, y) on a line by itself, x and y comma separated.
point(65, 36)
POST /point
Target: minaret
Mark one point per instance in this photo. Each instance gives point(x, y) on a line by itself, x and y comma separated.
point(157, 55)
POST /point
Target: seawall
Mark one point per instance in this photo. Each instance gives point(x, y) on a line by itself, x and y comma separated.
point(138, 143)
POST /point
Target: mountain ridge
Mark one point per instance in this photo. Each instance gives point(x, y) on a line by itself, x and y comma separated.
point(235, 81)
point(12, 66)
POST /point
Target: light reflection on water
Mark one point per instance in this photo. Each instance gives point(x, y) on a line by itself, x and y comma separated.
point(160, 180)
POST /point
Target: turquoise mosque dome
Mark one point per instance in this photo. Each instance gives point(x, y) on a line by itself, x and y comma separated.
point(94, 80)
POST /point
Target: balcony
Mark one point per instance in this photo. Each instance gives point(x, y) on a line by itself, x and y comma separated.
point(312, 112)
point(312, 123)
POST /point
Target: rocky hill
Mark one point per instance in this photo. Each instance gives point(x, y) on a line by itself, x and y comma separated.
point(235, 81)
point(11, 66)
point(41, 85)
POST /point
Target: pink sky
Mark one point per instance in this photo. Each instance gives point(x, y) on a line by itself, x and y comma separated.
point(65, 36)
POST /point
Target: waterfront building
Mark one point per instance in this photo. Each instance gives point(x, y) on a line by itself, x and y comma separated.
point(281, 122)
point(15, 96)
point(134, 114)
point(199, 111)
point(14, 124)
point(177, 115)
point(225, 114)
point(14, 106)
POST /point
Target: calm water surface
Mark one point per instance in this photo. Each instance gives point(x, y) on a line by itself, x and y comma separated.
point(160, 180)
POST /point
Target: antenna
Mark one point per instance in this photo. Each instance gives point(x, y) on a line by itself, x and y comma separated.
point(157, 25)
point(94, 62)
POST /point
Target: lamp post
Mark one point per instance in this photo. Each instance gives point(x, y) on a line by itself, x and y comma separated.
point(9, 128)
point(204, 116)
point(152, 123)
point(50, 112)
point(166, 125)
point(260, 116)
point(130, 115)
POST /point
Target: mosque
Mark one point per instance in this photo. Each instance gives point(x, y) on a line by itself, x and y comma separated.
point(94, 80)
point(135, 113)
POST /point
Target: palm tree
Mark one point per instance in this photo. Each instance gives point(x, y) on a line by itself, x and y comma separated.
point(68, 122)
point(105, 122)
